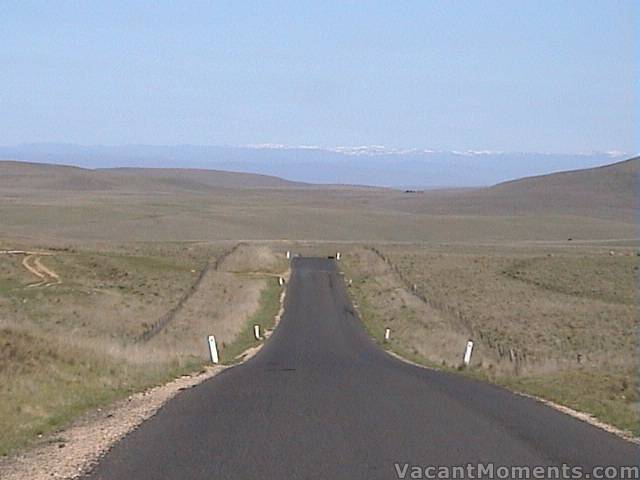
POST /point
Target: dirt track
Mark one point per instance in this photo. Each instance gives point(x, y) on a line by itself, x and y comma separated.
point(33, 263)
point(47, 277)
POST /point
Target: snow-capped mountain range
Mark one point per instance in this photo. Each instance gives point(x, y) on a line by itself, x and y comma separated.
point(365, 165)
point(383, 150)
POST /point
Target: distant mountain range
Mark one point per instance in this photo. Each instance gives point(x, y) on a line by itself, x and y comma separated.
point(366, 165)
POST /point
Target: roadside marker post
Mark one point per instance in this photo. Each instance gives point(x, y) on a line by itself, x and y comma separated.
point(288, 254)
point(256, 331)
point(213, 349)
point(338, 256)
point(280, 281)
point(467, 353)
point(387, 334)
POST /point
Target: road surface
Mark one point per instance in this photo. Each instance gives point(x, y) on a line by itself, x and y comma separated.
point(322, 401)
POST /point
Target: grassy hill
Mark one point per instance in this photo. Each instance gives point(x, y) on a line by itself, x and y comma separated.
point(603, 192)
point(198, 180)
point(24, 175)
point(617, 177)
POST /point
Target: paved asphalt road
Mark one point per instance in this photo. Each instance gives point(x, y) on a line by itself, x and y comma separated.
point(322, 401)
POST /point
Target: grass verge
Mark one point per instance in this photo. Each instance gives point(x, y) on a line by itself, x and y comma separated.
point(45, 384)
point(265, 317)
point(606, 396)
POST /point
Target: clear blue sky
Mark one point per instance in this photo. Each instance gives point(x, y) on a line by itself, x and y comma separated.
point(554, 76)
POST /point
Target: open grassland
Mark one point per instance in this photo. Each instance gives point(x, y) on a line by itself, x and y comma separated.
point(554, 321)
point(101, 293)
point(122, 275)
point(118, 320)
point(49, 204)
point(292, 214)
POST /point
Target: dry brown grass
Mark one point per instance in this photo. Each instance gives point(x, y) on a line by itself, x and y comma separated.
point(417, 328)
point(246, 258)
point(45, 381)
point(221, 306)
point(77, 345)
point(103, 293)
point(553, 321)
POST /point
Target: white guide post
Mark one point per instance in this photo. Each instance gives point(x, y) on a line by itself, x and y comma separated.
point(288, 254)
point(387, 334)
point(338, 256)
point(467, 353)
point(280, 281)
point(256, 331)
point(213, 349)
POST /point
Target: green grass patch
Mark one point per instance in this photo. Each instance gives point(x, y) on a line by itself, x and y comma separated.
point(264, 316)
point(607, 396)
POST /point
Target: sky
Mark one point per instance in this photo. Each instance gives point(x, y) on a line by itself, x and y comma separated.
point(533, 76)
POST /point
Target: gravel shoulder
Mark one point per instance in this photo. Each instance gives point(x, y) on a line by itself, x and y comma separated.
point(72, 452)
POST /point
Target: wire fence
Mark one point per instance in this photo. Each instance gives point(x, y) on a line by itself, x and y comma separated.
point(161, 323)
point(503, 352)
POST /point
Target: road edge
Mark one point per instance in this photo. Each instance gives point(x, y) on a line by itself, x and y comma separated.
point(582, 416)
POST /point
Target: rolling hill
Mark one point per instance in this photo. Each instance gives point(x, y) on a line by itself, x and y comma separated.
point(45, 201)
point(607, 192)
point(604, 192)
point(46, 177)
point(618, 180)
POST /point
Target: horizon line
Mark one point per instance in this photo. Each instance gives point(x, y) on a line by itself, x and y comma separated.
point(349, 150)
